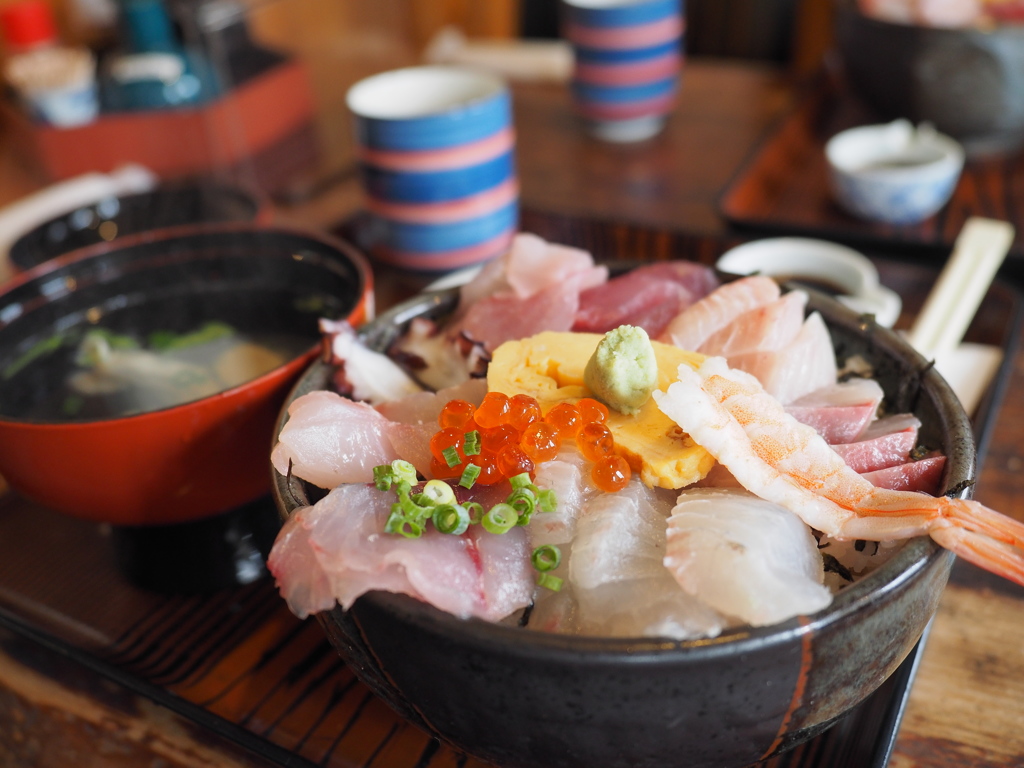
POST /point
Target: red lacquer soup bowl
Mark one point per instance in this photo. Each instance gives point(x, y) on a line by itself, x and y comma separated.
point(183, 462)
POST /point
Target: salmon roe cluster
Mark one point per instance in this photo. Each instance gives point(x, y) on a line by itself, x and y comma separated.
point(506, 436)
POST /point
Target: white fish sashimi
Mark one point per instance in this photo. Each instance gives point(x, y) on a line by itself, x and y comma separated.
point(425, 407)
point(744, 556)
point(330, 440)
point(617, 574)
point(695, 324)
point(807, 364)
point(476, 574)
point(568, 476)
point(770, 326)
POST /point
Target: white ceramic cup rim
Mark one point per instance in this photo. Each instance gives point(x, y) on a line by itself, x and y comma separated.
point(858, 151)
point(818, 261)
point(416, 92)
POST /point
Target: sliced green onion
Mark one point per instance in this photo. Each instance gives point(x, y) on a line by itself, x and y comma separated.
point(476, 512)
point(383, 476)
point(411, 508)
point(548, 581)
point(399, 523)
point(521, 480)
point(404, 471)
point(469, 476)
point(546, 500)
point(439, 492)
point(451, 457)
point(500, 519)
point(523, 502)
point(471, 446)
point(546, 557)
point(451, 518)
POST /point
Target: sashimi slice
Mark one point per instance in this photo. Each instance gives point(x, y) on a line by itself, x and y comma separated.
point(923, 476)
point(504, 316)
point(363, 374)
point(744, 556)
point(329, 440)
point(882, 450)
point(692, 327)
point(467, 575)
point(839, 412)
point(648, 297)
point(809, 363)
point(770, 326)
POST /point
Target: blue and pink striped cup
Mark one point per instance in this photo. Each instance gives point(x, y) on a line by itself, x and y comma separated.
point(629, 56)
point(437, 152)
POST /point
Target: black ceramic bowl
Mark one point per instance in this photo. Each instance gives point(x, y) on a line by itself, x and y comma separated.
point(115, 218)
point(523, 698)
point(968, 82)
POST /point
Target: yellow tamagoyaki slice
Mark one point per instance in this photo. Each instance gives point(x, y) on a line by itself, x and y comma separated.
point(550, 366)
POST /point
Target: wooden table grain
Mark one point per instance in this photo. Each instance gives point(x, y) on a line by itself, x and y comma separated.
point(57, 708)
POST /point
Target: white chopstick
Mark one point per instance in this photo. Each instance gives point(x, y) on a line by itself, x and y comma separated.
point(978, 253)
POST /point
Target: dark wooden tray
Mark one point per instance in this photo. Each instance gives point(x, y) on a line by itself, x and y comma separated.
point(783, 186)
point(237, 667)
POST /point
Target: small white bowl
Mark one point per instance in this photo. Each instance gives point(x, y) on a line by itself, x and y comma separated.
point(893, 173)
point(834, 268)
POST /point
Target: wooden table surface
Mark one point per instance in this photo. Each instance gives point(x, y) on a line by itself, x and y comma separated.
point(966, 707)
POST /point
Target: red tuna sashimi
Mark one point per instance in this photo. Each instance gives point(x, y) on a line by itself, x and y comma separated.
point(809, 363)
point(839, 412)
point(476, 574)
point(695, 324)
point(770, 326)
point(329, 440)
point(923, 476)
point(648, 297)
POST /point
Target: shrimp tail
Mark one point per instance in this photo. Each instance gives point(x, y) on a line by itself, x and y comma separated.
point(992, 555)
point(981, 536)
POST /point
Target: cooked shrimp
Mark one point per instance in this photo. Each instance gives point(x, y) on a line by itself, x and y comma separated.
point(775, 457)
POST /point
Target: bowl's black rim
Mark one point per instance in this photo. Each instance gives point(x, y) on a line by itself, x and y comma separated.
point(918, 555)
point(330, 247)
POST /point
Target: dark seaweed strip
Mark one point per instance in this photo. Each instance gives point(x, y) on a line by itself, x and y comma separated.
point(329, 674)
point(345, 729)
point(222, 642)
point(427, 755)
point(380, 747)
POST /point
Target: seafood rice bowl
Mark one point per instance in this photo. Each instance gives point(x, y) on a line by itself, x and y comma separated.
point(706, 572)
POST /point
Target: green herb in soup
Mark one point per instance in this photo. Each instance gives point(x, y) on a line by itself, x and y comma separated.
point(116, 374)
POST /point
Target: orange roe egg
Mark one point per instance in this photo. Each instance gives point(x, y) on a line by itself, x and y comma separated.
point(444, 439)
point(512, 461)
point(541, 441)
point(592, 410)
point(595, 441)
point(611, 473)
point(565, 417)
point(496, 438)
point(493, 410)
point(457, 414)
point(523, 410)
point(441, 470)
point(489, 472)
